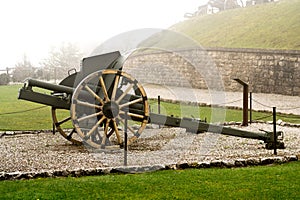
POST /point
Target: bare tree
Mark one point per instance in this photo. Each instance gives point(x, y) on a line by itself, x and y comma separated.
point(23, 69)
point(61, 60)
point(241, 3)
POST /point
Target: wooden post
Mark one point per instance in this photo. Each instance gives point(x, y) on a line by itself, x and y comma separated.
point(245, 101)
point(245, 105)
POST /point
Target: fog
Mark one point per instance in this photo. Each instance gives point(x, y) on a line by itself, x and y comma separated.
point(33, 27)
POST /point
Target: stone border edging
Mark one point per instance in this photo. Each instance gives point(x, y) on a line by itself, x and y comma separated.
point(141, 169)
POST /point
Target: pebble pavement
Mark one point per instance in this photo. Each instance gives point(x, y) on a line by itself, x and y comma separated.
point(45, 151)
point(165, 146)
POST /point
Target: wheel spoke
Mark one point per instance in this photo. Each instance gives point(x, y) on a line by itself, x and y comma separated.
point(87, 104)
point(94, 127)
point(133, 115)
point(113, 96)
point(66, 133)
point(124, 93)
point(104, 88)
point(117, 132)
point(110, 132)
point(90, 116)
point(71, 133)
point(106, 127)
point(131, 102)
point(93, 94)
point(130, 129)
point(62, 121)
point(105, 132)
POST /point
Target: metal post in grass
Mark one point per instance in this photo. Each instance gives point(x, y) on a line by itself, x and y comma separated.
point(274, 130)
point(250, 114)
point(158, 106)
point(125, 138)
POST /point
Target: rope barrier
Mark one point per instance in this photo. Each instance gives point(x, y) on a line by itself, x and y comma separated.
point(291, 108)
point(288, 116)
point(278, 108)
point(283, 115)
point(178, 101)
point(230, 102)
point(261, 103)
point(264, 117)
point(17, 112)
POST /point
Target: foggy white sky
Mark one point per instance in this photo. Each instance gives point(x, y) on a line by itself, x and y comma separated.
point(31, 27)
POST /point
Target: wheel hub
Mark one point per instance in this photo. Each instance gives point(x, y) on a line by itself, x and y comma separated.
point(111, 109)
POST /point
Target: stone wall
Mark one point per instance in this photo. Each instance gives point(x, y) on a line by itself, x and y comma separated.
point(266, 71)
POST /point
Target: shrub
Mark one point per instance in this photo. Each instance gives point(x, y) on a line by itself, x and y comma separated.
point(4, 79)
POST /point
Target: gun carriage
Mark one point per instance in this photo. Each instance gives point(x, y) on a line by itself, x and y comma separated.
point(101, 97)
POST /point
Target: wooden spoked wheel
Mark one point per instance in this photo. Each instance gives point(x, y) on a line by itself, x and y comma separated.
point(101, 104)
point(62, 121)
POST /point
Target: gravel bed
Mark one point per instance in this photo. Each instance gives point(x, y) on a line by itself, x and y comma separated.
point(42, 151)
point(165, 146)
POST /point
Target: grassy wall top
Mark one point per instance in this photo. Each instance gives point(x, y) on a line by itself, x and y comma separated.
point(267, 26)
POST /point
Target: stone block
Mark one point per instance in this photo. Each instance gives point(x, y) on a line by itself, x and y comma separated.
point(240, 163)
point(204, 165)
point(291, 158)
point(252, 162)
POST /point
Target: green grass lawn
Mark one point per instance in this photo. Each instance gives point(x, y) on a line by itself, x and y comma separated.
point(267, 26)
point(263, 26)
point(263, 182)
point(20, 114)
point(23, 115)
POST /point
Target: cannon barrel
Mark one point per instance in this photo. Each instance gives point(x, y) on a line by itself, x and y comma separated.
point(49, 86)
point(63, 101)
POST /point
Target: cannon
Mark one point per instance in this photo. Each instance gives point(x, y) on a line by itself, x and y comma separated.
point(101, 98)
